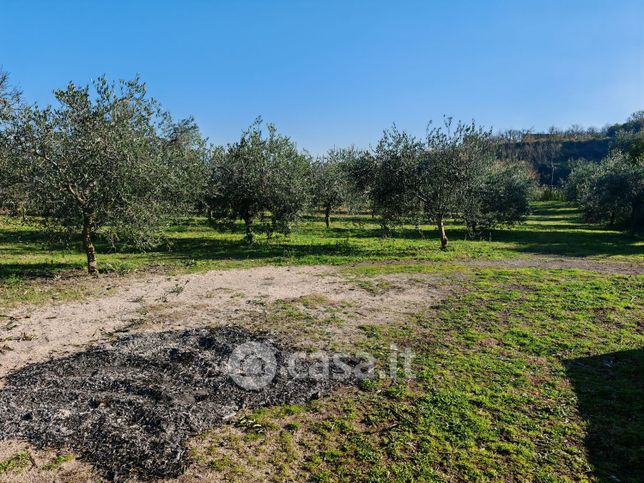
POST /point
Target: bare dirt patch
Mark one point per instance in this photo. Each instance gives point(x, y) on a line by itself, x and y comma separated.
point(311, 307)
point(244, 297)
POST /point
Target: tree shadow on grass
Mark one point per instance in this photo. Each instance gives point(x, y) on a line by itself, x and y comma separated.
point(572, 243)
point(31, 235)
point(557, 228)
point(610, 393)
point(10, 271)
point(553, 229)
point(214, 250)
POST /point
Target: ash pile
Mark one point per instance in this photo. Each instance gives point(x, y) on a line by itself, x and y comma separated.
point(128, 407)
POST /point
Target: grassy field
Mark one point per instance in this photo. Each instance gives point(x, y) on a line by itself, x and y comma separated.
point(522, 374)
point(553, 229)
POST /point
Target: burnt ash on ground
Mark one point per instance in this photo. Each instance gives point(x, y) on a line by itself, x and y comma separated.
point(129, 407)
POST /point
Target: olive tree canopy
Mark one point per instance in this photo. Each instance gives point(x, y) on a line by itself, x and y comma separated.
point(12, 194)
point(9, 97)
point(501, 198)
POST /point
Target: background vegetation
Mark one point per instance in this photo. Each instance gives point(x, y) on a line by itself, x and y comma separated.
point(108, 164)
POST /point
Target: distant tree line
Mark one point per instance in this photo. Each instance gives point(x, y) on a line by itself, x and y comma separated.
point(108, 161)
point(553, 153)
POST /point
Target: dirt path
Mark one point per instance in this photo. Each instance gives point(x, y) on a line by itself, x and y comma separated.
point(58, 329)
point(618, 268)
point(545, 262)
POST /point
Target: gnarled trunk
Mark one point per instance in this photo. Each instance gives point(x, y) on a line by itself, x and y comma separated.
point(90, 251)
point(441, 232)
point(327, 216)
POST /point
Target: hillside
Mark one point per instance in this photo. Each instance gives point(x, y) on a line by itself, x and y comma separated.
point(551, 153)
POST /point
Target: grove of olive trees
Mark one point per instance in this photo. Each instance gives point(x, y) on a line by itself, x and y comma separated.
point(452, 173)
point(107, 161)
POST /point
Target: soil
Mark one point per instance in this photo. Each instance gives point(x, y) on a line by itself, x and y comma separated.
point(126, 405)
point(218, 298)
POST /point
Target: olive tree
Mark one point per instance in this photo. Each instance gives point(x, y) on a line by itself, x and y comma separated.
point(434, 178)
point(189, 161)
point(501, 198)
point(330, 181)
point(393, 178)
point(612, 191)
point(263, 177)
point(581, 175)
point(456, 163)
point(360, 168)
point(96, 163)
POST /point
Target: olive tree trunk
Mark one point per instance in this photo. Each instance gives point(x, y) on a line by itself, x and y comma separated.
point(327, 216)
point(441, 232)
point(90, 251)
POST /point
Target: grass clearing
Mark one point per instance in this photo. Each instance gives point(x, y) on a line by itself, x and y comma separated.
point(523, 374)
point(28, 262)
point(553, 229)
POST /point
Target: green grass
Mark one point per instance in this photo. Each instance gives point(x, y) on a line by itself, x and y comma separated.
point(58, 461)
point(521, 375)
point(17, 462)
point(554, 229)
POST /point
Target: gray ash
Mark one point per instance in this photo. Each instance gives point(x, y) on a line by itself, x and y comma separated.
point(129, 407)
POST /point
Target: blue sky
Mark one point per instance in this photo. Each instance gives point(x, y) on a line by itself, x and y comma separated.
point(338, 72)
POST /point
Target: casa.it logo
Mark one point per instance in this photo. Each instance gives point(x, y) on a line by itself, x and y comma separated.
point(252, 365)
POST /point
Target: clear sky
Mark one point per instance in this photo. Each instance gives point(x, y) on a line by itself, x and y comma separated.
point(332, 72)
